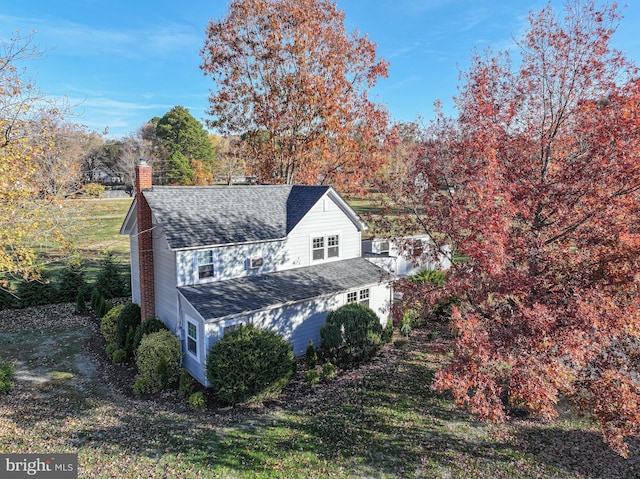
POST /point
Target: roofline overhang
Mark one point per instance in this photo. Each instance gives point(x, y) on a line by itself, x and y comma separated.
point(271, 307)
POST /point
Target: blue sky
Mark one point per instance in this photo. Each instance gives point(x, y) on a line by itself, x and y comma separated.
point(122, 63)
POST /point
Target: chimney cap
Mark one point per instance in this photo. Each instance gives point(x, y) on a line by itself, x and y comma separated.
point(142, 162)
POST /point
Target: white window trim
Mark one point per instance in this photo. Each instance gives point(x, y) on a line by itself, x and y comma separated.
point(325, 237)
point(193, 322)
point(216, 266)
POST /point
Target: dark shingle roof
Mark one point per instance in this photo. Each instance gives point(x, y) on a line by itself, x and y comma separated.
point(206, 216)
point(254, 293)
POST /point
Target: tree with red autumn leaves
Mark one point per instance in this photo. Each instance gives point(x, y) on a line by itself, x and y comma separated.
point(294, 83)
point(536, 184)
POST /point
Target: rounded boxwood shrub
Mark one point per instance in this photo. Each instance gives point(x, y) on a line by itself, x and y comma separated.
point(329, 371)
point(352, 334)
point(118, 356)
point(158, 359)
point(249, 363)
point(196, 400)
point(109, 324)
point(7, 372)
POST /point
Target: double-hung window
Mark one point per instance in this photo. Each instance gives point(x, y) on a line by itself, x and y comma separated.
point(352, 297)
point(192, 338)
point(317, 248)
point(205, 264)
point(325, 247)
point(333, 246)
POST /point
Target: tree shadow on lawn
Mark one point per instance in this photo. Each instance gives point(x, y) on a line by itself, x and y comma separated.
point(583, 452)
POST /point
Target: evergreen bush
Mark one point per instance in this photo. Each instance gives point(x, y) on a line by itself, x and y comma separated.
point(7, 372)
point(351, 334)
point(158, 359)
point(148, 326)
point(109, 324)
point(387, 332)
point(329, 371)
point(311, 356)
point(312, 377)
point(95, 299)
point(140, 386)
point(110, 348)
point(249, 363)
point(109, 280)
point(128, 321)
point(118, 356)
point(185, 384)
point(81, 306)
point(36, 292)
point(196, 400)
point(71, 282)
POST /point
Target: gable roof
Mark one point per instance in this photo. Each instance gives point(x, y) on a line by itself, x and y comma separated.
point(197, 216)
point(254, 293)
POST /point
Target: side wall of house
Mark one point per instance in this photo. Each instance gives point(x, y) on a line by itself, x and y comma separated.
point(135, 269)
point(164, 270)
point(235, 261)
point(195, 364)
point(324, 219)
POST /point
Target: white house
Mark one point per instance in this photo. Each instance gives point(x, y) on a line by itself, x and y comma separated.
point(206, 259)
point(407, 255)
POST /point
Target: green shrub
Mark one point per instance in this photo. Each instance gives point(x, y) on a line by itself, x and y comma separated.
point(95, 299)
point(110, 348)
point(406, 324)
point(140, 386)
point(103, 307)
point(352, 334)
point(109, 324)
point(387, 332)
point(249, 363)
point(185, 384)
point(36, 292)
point(81, 306)
point(128, 321)
point(311, 356)
point(118, 356)
point(109, 280)
point(7, 372)
point(71, 282)
point(196, 400)
point(7, 298)
point(158, 359)
point(148, 326)
point(329, 371)
point(435, 277)
point(401, 344)
point(312, 377)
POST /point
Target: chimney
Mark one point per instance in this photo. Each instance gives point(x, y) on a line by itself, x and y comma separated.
point(145, 241)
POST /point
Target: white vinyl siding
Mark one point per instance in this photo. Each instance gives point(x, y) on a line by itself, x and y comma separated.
point(164, 274)
point(322, 222)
